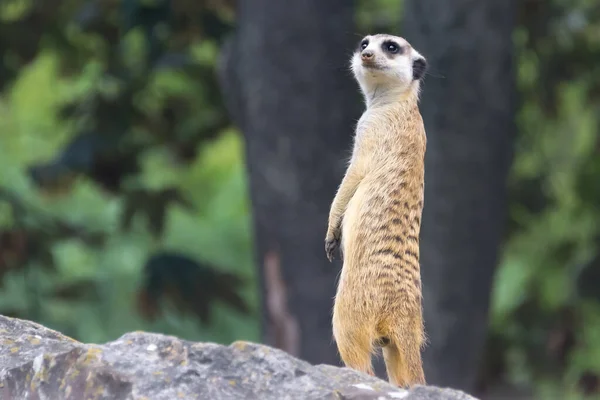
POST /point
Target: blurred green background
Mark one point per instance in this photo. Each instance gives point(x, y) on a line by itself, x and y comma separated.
point(54, 92)
point(91, 251)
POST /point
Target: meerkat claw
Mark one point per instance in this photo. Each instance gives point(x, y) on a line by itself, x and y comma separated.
point(331, 245)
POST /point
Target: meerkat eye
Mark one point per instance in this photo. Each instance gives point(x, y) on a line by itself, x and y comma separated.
point(364, 44)
point(391, 47)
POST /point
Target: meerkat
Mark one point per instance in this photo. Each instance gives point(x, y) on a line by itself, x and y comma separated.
point(375, 217)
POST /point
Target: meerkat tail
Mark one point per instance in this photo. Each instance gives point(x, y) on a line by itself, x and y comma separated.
point(402, 355)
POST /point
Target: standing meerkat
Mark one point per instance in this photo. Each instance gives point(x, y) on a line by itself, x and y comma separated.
point(376, 216)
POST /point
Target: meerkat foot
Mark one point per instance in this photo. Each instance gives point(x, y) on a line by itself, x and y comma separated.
point(332, 244)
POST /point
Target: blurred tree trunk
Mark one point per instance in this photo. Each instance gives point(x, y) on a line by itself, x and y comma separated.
point(286, 81)
point(469, 116)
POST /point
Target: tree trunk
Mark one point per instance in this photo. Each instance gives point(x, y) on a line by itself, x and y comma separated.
point(285, 76)
point(469, 116)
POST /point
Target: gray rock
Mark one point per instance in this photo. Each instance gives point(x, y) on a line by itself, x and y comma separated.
point(42, 364)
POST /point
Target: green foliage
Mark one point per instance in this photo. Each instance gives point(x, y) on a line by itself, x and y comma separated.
point(116, 148)
point(541, 307)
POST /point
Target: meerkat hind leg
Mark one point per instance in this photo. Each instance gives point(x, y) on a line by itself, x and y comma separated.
point(403, 362)
point(355, 346)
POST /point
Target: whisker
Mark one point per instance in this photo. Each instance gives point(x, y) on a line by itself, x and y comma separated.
point(357, 34)
point(435, 75)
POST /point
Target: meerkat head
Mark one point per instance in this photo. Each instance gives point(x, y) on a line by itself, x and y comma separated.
point(387, 65)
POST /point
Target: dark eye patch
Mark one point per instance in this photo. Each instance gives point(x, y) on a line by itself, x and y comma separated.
point(391, 47)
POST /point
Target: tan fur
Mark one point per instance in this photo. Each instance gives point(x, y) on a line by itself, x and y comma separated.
point(377, 214)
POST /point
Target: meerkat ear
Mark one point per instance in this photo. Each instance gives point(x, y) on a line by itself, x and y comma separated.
point(419, 68)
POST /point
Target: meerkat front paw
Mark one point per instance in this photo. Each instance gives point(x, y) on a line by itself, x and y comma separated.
point(332, 244)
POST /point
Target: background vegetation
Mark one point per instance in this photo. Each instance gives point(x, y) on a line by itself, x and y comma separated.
point(124, 200)
point(117, 151)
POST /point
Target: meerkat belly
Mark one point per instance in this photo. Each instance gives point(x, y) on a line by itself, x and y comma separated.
point(380, 241)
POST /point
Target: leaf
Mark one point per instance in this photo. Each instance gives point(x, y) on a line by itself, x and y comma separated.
point(513, 280)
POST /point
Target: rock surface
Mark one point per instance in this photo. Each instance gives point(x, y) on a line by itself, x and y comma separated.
point(39, 363)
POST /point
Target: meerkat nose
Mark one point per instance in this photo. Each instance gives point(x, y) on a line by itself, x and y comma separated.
point(367, 55)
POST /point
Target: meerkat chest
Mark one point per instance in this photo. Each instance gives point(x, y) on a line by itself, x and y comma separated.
point(382, 138)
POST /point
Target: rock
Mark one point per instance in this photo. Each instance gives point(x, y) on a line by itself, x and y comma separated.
point(39, 363)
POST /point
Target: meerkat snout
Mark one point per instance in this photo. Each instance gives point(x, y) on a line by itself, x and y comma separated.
point(367, 55)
